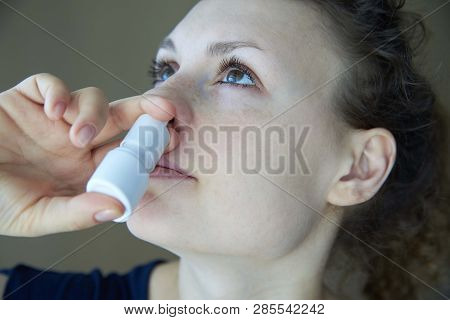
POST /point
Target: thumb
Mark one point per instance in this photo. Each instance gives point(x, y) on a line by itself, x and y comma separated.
point(61, 214)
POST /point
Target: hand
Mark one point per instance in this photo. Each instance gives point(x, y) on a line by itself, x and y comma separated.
point(51, 141)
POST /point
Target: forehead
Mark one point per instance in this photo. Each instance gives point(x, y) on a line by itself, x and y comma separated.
point(290, 32)
point(270, 22)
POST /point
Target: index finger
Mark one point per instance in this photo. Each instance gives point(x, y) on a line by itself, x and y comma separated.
point(123, 113)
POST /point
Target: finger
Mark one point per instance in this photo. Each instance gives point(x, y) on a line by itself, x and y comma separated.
point(27, 116)
point(123, 113)
point(61, 214)
point(87, 113)
point(47, 90)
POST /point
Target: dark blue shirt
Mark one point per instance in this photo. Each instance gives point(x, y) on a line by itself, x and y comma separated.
point(25, 283)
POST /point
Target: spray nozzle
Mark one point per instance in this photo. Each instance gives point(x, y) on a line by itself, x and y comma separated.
point(124, 172)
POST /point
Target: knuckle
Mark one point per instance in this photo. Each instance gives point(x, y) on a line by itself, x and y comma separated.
point(96, 91)
point(44, 82)
point(52, 82)
point(96, 98)
point(46, 77)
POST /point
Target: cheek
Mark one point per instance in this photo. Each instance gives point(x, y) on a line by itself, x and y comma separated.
point(228, 105)
point(235, 210)
point(233, 215)
point(254, 218)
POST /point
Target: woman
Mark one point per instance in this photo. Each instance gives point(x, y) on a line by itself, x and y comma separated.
point(337, 74)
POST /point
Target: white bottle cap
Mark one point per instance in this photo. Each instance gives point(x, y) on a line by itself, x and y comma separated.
point(124, 171)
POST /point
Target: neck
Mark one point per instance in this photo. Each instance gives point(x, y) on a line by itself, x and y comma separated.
point(226, 279)
point(294, 276)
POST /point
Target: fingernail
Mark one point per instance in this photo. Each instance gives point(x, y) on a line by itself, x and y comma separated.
point(86, 134)
point(107, 215)
point(59, 110)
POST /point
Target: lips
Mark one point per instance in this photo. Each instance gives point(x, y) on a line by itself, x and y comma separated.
point(168, 170)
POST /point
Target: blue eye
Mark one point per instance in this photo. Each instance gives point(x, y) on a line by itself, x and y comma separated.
point(161, 71)
point(166, 73)
point(238, 77)
point(238, 74)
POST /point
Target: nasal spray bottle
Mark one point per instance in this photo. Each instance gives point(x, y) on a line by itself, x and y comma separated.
point(124, 172)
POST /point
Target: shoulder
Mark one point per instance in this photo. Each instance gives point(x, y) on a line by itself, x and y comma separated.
point(163, 281)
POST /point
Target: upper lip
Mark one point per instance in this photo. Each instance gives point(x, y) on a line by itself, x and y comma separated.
point(165, 163)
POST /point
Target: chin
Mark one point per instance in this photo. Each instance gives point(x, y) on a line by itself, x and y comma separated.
point(149, 219)
point(160, 221)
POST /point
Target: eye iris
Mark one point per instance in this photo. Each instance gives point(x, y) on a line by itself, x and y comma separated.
point(166, 72)
point(235, 76)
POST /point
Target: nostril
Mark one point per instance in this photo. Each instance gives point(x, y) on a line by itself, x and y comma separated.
point(175, 124)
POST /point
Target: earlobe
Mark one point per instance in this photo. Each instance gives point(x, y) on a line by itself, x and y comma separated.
point(373, 156)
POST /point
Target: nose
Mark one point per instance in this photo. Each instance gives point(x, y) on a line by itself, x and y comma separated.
point(169, 106)
point(174, 110)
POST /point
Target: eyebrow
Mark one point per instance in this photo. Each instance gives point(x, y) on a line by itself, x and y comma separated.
point(167, 43)
point(216, 48)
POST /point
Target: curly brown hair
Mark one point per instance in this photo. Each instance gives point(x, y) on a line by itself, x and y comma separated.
point(398, 240)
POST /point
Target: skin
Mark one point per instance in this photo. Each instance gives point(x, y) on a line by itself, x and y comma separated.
point(43, 176)
point(240, 235)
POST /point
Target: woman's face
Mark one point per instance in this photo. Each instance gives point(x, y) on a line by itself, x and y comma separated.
point(232, 65)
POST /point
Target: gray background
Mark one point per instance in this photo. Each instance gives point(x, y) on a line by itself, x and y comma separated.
point(121, 37)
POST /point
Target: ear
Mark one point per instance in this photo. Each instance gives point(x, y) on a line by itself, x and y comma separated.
point(371, 158)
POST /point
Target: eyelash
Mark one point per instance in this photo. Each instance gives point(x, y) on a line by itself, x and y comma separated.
point(227, 63)
point(235, 63)
point(156, 68)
